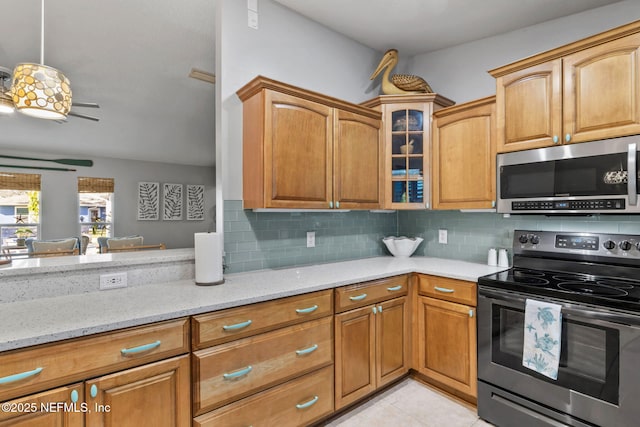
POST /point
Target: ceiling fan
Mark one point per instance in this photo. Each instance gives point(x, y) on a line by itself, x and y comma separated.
point(6, 103)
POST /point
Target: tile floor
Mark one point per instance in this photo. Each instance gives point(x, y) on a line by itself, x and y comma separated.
point(410, 404)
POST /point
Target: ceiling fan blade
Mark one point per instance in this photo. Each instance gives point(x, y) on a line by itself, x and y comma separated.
point(83, 116)
point(85, 104)
point(202, 75)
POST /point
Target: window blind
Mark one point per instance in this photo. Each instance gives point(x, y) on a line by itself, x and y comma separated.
point(19, 181)
point(95, 185)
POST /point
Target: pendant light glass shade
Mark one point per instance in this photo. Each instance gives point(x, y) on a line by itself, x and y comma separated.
point(41, 91)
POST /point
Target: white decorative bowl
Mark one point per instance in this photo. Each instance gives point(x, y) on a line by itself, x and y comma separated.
point(402, 246)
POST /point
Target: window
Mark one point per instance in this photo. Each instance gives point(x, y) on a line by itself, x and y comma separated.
point(95, 196)
point(19, 210)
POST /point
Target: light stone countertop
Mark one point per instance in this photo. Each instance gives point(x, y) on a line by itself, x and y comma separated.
point(38, 321)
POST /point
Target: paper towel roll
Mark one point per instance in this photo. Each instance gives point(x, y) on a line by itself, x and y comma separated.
point(208, 249)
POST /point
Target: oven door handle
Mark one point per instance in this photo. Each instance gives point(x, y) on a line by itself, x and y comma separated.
point(632, 174)
point(602, 316)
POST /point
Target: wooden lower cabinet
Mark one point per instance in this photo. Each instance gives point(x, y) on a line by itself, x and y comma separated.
point(371, 348)
point(43, 410)
point(296, 403)
point(447, 344)
point(154, 395)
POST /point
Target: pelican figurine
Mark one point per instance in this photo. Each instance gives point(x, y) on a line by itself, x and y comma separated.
point(398, 84)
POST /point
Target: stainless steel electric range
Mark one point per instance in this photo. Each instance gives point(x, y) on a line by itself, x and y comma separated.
point(595, 278)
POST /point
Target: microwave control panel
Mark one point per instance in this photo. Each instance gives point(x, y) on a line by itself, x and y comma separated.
point(568, 205)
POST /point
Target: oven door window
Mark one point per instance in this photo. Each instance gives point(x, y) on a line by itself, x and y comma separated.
point(589, 360)
point(602, 175)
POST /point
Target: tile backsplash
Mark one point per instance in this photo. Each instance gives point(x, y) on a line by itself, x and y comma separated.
point(260, 240)
point(471, 234)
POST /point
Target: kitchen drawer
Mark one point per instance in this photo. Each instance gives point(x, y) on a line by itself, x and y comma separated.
point(459, 291)
point(361, 294)
point(52, 365)
point(234, 370)
point(296, 403)
point(227, 325)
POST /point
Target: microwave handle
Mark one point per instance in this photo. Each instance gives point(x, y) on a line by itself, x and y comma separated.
point(632, 176)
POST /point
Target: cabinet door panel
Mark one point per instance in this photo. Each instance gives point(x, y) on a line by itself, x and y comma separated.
point(601, 90)
point(355, 355)
point(357, 161)
point(156, 395)
point(298, 152)
point(392, 340)
point(529, 107)
point(27, 409)
point(447, 351)
point(464, 158)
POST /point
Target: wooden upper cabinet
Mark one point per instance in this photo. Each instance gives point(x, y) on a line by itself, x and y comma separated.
point(529, 107)
point(463, 164)
point(305, 150)
point(584, 91)
point(357, 157)
point(298, 145)
point(602, 90)
point(406, 167)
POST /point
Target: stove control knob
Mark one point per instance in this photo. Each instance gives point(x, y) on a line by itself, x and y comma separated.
point(534, 239)
point(625, 245)
point(608, 245)
point(523, 238)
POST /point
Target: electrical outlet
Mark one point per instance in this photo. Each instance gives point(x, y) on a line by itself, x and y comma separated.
point(442, 236)
point(112, 281)
point(311, 239)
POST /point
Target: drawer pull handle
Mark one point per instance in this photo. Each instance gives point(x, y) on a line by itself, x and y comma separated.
point(445, 290)
point(307, 350)
point(74, 396)
point(20, 376)
point(307, 310)
point(394, 288)
point(236, 326)
point(358, 297)
point(238, 373)
point(305, 405)
point(140, 349)
point(94, 390)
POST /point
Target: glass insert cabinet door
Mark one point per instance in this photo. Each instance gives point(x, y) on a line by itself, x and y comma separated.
point(408, 156)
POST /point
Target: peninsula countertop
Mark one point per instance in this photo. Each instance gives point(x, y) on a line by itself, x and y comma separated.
point(44, 320)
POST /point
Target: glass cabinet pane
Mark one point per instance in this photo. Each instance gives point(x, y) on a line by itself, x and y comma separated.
point(399, 121)
point(415, 120)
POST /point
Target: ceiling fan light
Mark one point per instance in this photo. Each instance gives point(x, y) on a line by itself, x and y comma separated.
point(41, 91)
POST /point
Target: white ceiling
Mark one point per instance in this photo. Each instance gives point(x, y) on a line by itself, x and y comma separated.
point(133, 57)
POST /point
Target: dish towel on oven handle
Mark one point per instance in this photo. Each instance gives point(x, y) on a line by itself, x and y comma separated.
point(542, 337)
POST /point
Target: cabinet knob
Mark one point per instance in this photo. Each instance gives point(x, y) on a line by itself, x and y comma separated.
point(93, 391)
point(555, 139)
point(330, 205)
point(470, 313)
point(567, 137)
point(74, 396)
point(337, 205)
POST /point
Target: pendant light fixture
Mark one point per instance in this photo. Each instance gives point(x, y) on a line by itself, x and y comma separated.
point(41, 91)
point(6, 103)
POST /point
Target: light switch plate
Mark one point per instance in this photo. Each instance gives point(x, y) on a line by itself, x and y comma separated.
point(442, 236)
point(252, 19)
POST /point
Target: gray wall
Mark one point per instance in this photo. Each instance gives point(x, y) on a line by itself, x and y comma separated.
point(59, 198)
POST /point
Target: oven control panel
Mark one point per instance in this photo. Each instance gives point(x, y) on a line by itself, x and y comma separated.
point(545, 243)
point(589, 243)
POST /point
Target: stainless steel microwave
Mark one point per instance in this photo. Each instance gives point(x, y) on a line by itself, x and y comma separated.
point(592, 177)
